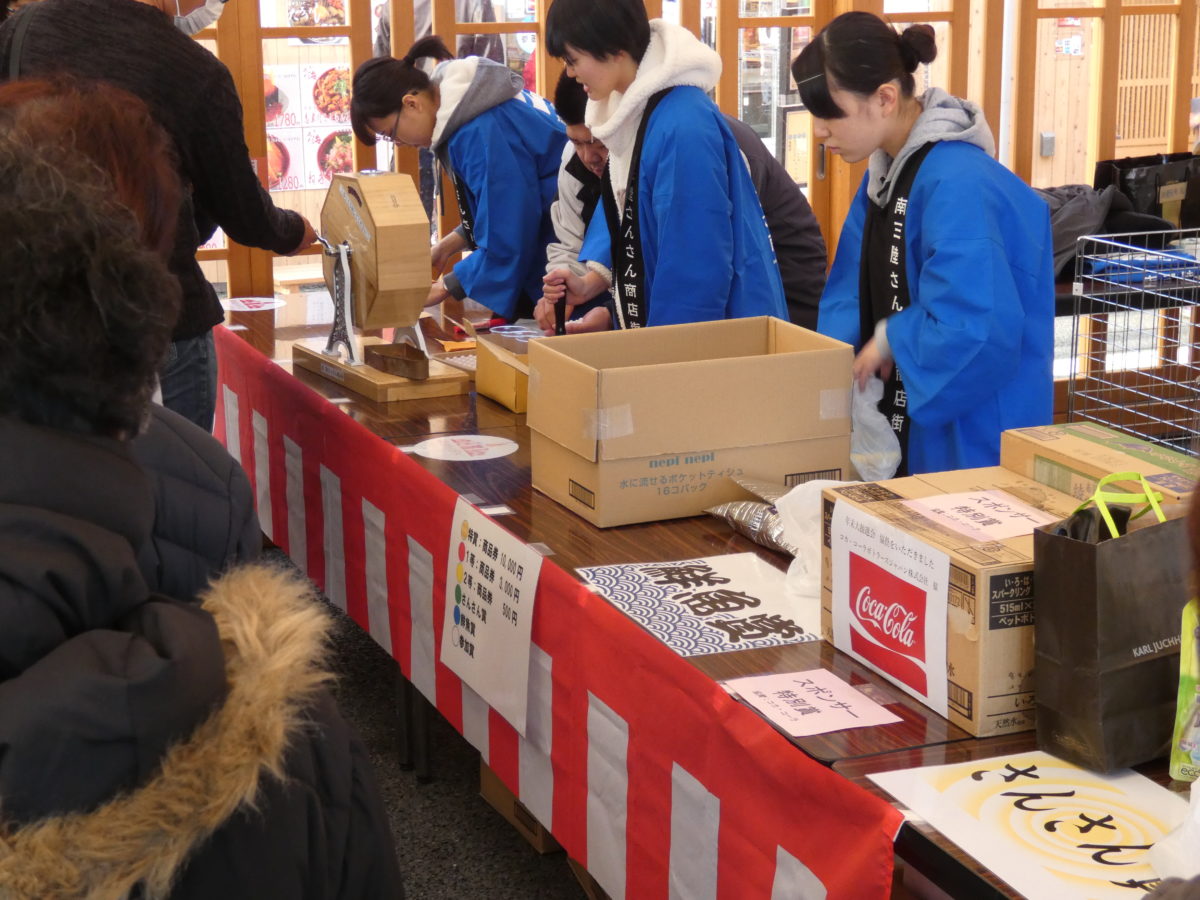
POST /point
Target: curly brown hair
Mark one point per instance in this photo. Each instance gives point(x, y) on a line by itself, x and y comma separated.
point(86, 309)
point(115, 130)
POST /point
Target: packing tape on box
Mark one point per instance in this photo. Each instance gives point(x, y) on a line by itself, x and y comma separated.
point(608, 422)
point(835, 403)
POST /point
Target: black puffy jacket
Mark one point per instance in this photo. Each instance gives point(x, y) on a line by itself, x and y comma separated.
point(204, 519)
point(153, 747)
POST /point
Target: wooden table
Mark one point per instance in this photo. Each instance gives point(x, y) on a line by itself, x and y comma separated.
point(575, 542)
point(920, 738)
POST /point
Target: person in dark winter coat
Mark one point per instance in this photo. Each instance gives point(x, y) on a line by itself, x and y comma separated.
point(204, 520)
point(192, 96)
point(152, 747)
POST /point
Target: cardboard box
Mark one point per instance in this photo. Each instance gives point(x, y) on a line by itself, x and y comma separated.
point(988, 600)
point(1072, 457)
point(505, 802)
point(652, 423)
point(502, 370)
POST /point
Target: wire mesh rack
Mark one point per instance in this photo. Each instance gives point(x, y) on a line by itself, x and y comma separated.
point(1136, 360)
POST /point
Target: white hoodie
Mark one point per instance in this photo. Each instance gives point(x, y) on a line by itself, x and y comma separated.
point(675, 57)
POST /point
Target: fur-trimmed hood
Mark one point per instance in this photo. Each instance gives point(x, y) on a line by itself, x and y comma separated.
point(272, 634)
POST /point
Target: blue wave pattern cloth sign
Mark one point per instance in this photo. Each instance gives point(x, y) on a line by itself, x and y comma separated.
point(709, 605)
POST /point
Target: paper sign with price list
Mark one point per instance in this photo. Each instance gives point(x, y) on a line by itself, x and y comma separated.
point(491, 580)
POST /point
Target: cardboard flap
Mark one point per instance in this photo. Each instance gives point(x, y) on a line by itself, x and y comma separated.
point(503, 355)
point(712, 404)
point(562, 399)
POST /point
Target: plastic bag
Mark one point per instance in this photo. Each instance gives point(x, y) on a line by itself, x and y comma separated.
point(874, 447)
point(800, 512)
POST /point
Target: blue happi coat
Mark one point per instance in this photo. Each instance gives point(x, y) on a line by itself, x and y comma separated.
point(975, 347)
point(706, 249)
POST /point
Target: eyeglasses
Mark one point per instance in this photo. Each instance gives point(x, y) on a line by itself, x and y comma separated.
point(390, 137)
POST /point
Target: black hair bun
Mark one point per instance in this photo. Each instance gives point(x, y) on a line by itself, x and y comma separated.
point(918, 44)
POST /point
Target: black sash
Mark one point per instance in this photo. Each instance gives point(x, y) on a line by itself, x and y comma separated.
point(464, 211)
point(628, 269)
point(883, 286)
point(590, 187)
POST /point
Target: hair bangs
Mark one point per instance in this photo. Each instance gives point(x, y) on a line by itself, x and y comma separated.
point(808, 71)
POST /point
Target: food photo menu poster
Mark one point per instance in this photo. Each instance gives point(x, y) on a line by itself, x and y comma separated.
point(308, 124)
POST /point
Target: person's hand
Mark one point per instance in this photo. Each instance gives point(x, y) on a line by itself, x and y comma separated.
point(598, 319)
point(437, 293)
point(451, 245)
point(559, 285)
point(870, 361)
point(308, 239)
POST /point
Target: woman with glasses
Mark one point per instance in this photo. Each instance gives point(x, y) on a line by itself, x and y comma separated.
point(501, 145)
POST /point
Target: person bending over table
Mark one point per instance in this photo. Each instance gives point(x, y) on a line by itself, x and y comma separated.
point(795, 234)
point(943, 279)
point(681, 218)
point(501, 145)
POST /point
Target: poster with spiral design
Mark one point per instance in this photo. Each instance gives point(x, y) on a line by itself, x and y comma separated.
point(709, 605)
point(1046, 827)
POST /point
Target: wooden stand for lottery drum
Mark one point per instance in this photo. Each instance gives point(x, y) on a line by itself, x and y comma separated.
point(380, 216)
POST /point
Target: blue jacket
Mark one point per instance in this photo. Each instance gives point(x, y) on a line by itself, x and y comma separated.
point(507, 158)
point(705, 244)
point(975, 347)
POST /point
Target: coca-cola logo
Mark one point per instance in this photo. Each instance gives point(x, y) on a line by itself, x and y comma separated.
point(888, 622)
point(890, 618)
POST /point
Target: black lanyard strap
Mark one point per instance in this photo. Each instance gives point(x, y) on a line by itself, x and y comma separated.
point(629, 270)
point(883, 285)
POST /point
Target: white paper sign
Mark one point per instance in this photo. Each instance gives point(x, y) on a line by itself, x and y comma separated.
point(807, 703)
point(709, 605)
point(1048, 828)
point(982, 515)
point(889, 602)
point(491, 580)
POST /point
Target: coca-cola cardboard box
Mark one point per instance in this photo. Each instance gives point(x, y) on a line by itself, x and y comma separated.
point(929, 581)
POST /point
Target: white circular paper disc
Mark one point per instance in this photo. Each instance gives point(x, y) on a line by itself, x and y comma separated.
point(465, 447)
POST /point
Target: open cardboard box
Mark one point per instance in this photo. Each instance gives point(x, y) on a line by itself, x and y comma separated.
point(654, 423)
point(501, 369)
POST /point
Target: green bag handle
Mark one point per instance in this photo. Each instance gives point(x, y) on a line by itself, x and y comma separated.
point(1102, 498)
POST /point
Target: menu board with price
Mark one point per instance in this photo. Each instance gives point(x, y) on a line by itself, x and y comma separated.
point(307, 118)
point(491, 580)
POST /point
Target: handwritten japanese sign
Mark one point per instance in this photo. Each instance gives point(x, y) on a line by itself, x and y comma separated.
point(710, 605)
point(806, 703)
point(491, 580)
point(982, 515)
point(1048, 828)
point(890, 593)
